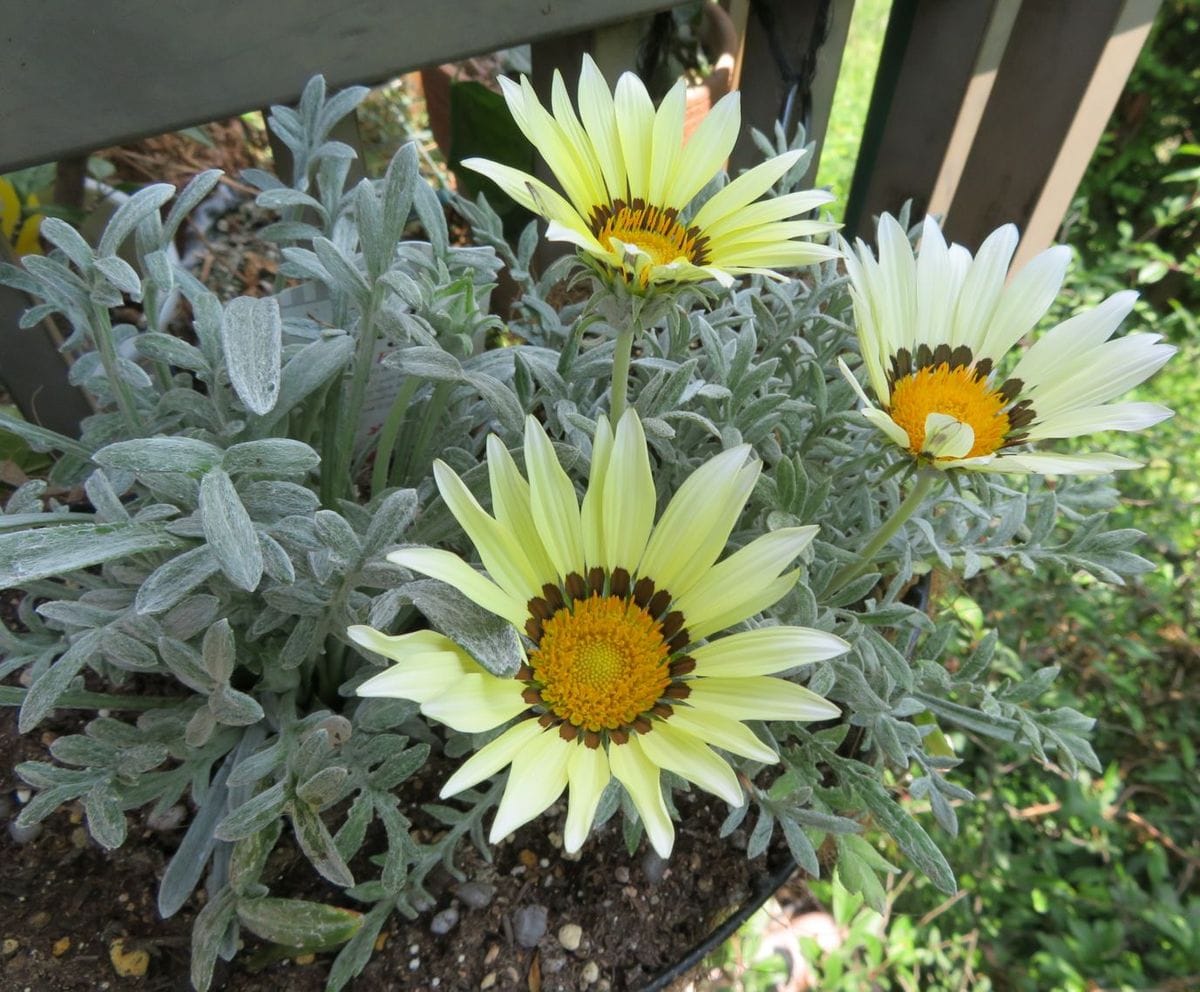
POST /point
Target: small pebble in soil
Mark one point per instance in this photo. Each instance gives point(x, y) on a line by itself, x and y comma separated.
point(128, 964)
point(552, 963)
point(527, 858)
point(414, 964)
point(555, 839)
point(591, 972)
point(477, 895)
point(444, 922)
point(529, 924)
point(488, 980)
point(493, 952)
point(23, 835)
point(654, 867)
point(169, 819)
point(570, 935)
point(621, 874)
point(10, 946)
point(61, 946)
point(22, 795)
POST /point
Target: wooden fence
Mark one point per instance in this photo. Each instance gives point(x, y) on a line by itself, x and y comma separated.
point(984, 111)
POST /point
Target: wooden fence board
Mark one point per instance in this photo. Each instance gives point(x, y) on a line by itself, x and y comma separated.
point(1061, 73)
point(78, 76)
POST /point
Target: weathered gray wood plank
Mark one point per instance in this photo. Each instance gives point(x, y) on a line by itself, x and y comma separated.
point(75, 76)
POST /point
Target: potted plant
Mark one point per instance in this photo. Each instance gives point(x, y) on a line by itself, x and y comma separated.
point(689, 643)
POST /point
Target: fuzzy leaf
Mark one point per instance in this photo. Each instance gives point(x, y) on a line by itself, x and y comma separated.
point(306, 926)
point(229, 531)
point(485, 637)
point(252, 334)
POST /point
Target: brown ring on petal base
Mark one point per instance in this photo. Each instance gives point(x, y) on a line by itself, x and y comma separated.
point(657, 231)
point(607, 656)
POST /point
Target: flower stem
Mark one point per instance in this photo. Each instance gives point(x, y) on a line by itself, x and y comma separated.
point(349, 412)
point(927, 482)
point(102, 334)
point(390, 432)
point(620, 373)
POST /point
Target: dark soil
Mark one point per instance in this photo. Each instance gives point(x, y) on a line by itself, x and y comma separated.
point(64, 902)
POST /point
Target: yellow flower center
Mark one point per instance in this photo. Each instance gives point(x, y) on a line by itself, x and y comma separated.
point(653, 230)
point(601, 664)
point(958, 392)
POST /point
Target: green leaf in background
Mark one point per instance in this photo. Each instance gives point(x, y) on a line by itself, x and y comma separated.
point(482, 125)
point(306, 926)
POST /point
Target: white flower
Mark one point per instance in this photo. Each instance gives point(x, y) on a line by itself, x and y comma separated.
point(621, 679)
point(934, 328)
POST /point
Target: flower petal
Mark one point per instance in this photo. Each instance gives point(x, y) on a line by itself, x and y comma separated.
point(724, 732)
point(511, 504)
point(1049, 463)
point(739, 607)
point(490, 758)
point(451, 569)
point(629, 498)
point(947, 437)
point(1025, 301)
point(765, 651)
point(537, 778)
point(747, 187)
point(1105, 417)
point(635, 124)
point(591, 516)
point(535, 195)
point(667, 145)
point(686, 755)
point(892, 430)
point(598, 112)
point(426, 665)
point(760, 698)
point(706, 150)
point(639, 775)
point(981, 289)
point(743, 576)
point(1055, 350)
point(499, 549)
point(588, 776)
point(477, 702)
point(555, 507)
point(693, 529)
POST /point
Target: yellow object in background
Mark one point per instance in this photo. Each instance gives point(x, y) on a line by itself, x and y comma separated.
point(20, 231)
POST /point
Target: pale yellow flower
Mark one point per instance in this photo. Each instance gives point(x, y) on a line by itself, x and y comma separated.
point(630, 179)
point(621, 679)
point(934, 329)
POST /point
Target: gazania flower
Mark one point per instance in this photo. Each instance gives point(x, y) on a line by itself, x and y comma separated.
point(621, 679)
point(934, 329)
point(629, 178)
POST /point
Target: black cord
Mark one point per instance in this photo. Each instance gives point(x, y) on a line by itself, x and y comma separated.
point(765, 889)
point(797, 104)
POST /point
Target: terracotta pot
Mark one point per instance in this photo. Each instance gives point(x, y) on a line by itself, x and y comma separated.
point(719, 37)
